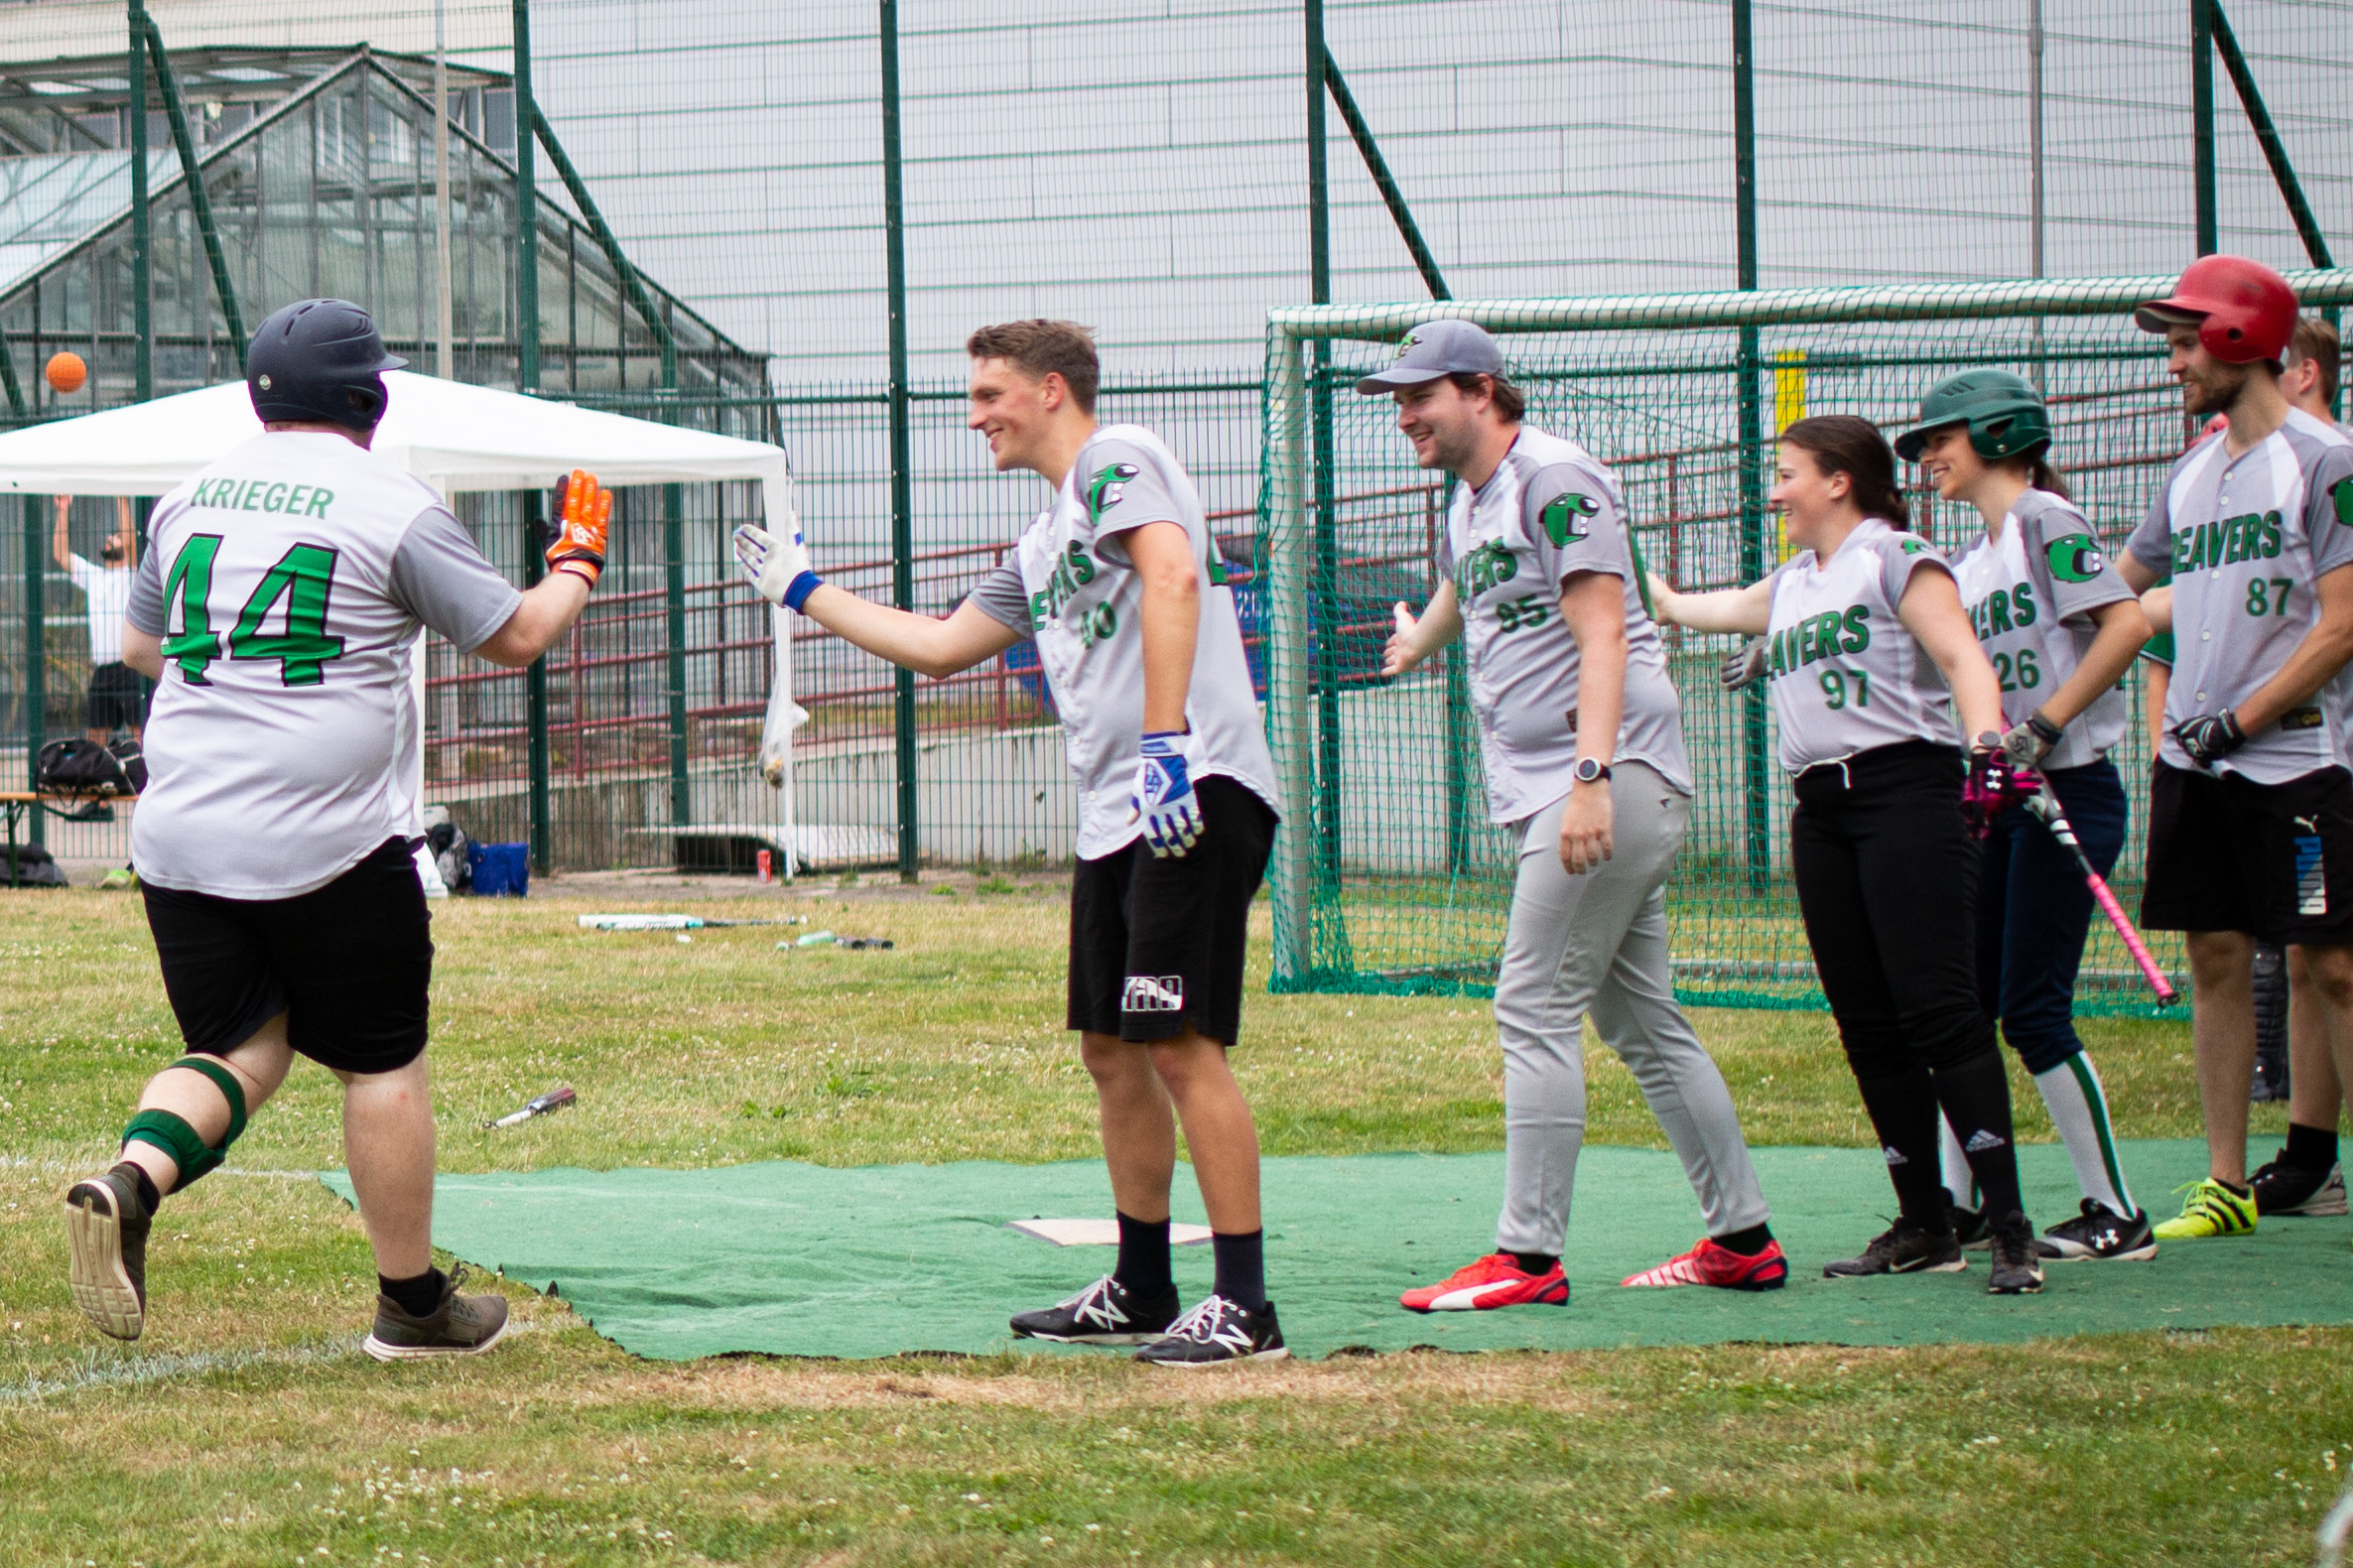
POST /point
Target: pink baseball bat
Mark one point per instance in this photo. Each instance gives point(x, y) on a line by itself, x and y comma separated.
point(2045, 805)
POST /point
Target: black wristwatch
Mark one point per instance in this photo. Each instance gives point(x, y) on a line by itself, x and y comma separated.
point(1589, 771)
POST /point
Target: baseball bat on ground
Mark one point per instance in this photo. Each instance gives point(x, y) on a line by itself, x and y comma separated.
point(2045, 805)
point(554, 1100)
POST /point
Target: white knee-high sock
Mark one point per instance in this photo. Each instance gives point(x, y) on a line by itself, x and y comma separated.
point(1952, 1162)
point(2079, 1109)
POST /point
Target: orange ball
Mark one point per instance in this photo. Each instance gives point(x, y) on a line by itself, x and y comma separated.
point(66, 372)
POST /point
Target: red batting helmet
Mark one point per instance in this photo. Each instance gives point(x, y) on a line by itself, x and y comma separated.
point(2243, 309)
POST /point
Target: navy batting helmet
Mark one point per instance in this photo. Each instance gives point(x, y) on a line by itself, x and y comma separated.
point(320, 359)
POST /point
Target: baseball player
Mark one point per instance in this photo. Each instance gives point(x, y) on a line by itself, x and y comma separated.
point(2251, 830)
point(1582, 735)
point(1867, 651)
point(1121, 585)
point(279, 609)
point(117, 699)
point(2061, 629)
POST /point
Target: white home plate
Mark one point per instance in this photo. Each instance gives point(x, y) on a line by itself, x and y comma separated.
point(1098, 1232)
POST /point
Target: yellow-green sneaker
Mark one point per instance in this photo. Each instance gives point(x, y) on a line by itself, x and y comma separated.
point(2211, 1208)
point(118, 879)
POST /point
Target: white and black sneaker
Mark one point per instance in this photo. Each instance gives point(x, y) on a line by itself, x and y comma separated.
point(1105, 1313)
point(2098, 1232)
point(2281, 1188)
point(1215, 1332)
point(1904, 1247)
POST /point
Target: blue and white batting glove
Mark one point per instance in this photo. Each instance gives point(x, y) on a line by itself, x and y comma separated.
point(1163, 795)
point(778, 568)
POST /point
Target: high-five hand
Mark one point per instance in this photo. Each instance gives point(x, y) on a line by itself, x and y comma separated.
point(1401, 654)
point(583, 515)
point(778, 568)
point(1163, 795)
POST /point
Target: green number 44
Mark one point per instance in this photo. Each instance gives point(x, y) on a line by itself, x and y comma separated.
point(303, 577)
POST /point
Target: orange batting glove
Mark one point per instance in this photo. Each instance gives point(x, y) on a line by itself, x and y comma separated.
point(584, 511)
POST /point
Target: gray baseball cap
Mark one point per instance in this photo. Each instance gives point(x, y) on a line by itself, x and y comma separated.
point(1435, 349)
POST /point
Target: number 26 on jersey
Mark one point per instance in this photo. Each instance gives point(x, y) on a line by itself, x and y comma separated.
point(302, 578)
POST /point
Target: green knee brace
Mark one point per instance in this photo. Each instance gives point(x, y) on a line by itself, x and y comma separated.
point(172, 1135)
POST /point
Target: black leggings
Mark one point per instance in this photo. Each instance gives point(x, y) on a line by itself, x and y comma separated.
point(1886, 881)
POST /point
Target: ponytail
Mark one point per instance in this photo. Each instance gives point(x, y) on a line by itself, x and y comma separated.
point(1843, 443)
point(2042, 476)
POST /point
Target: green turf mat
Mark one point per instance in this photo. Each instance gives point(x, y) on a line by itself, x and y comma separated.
point(806, 1260)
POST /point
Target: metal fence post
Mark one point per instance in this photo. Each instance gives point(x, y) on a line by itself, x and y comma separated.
point(1323, 584)
point(2201, 114)
point(535, 699)
point(142, 220)
point(674, 624)
point(35, 651)
point(1759, 804)
point(526, 210)
point(902, 487)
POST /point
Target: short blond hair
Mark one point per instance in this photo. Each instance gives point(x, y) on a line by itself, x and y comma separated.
point(1039, 347)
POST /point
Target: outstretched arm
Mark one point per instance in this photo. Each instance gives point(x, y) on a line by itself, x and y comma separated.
point(920, 643)
point(1416, 640)
point(1746, 610)
point(61, 547)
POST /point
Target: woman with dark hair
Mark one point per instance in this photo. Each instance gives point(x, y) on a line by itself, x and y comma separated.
point(1867, 651)
point(2062, 627)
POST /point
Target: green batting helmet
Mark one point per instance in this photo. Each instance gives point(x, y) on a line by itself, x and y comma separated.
point(2004, 413)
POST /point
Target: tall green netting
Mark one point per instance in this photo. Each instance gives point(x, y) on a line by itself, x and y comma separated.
point(1390, 877)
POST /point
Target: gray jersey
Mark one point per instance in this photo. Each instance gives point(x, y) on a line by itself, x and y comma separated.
point(1072, 586)
point(1847, 676)
point(2027, 593)
point(2245, 538)
point(287, 582)
point(1550, 510)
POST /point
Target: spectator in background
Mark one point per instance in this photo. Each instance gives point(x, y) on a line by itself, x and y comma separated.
point(117, 696)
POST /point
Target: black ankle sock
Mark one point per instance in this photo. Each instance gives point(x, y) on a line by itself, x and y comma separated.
point(1903, 1110)
point(1975, 1098)
point(2309, 1148)
point(1143, 1256)
point(1535, 1262)
point(151, 1199)
point(417, 1297)
point(1242, 1268)
point(1749, 1243)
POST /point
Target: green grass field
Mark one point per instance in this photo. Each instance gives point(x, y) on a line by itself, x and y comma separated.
point(247, 1428)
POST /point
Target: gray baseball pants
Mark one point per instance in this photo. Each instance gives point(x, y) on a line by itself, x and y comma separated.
point(1596, 943)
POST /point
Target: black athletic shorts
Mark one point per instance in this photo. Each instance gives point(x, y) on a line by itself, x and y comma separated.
point(117, 699)
point(2273, 860)
point(1156, 945)
point(350, 964)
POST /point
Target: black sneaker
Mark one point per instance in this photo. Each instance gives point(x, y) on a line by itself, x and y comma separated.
point(106, 1240)
point(2281, 1188)
point(460, 1325)
point(1215, 1332)
point(1904, 1247)
point(2016, 1270)
point(1970, 1228)
point(2098, 1232)
point(1105, 1313)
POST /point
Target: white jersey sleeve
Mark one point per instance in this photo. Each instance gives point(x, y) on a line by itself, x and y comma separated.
point(440, 577)
point(1001, 596)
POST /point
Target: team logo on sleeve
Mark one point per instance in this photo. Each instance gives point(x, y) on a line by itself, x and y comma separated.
point(1564, 517)
point(1107, 486)
point(2074, 559)
point(2341, 493)
point(1910, 546)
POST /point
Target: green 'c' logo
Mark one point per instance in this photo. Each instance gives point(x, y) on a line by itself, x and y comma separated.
point(1106, 489)
point(2341, 493)
point(1563, 517)
point(2076, 558)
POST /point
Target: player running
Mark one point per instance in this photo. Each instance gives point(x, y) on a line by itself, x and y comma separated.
point(278, 606)
point(2061, 630)
point(1867, 651)
point(2251, 830)
point(1121, 585)
point(1582, 735)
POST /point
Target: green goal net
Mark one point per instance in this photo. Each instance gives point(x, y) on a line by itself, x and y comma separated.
point(1389, 875)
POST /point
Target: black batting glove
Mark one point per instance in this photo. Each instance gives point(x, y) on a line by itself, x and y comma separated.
point(2209, 737)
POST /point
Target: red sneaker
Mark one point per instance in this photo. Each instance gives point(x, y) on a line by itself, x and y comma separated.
point(1495, 1280)
point(1710, 1264)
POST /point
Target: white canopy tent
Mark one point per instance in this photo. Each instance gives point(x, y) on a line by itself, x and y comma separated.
point(455, 436)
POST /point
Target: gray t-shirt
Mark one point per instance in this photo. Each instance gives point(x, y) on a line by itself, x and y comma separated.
point(2027, 593)
point(287, 582)
point(2245, 538)
point(1550, 511)
point(1072, 586)
point(1846, 674)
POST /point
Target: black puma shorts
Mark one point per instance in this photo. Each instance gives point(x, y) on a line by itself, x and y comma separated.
point(2273, 860)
